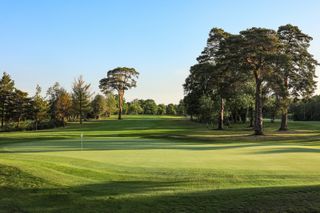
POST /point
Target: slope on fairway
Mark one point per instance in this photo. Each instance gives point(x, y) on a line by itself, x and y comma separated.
point(160, 164)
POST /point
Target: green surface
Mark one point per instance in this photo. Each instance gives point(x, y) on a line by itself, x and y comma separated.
point(160, 164)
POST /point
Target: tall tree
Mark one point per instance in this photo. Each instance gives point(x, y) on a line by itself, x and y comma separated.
point(295, 69)
point(40, 107)
point(81, 97)
point(224, 73)
point(6, 93)
point(119, 79)
point(258, 52)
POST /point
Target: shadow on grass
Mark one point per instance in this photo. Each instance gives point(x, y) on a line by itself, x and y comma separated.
point(290, 150)
point(31, 195)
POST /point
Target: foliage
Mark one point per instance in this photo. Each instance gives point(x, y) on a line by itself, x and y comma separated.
point(171, 109)
point(119, 79)
point(135, 108)
point(99, 106)
point(81, 98)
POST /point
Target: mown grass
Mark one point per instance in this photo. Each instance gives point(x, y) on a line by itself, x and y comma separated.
point(160, 164)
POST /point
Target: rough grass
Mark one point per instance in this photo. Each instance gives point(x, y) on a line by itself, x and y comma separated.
point(160, 164)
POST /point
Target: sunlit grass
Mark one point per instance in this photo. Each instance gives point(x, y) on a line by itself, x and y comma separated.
point(157, 163)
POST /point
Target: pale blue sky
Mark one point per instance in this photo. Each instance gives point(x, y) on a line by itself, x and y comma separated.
point(57, 40)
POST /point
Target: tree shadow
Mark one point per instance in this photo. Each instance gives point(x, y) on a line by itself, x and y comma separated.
point(289, 150)
point(157, 196)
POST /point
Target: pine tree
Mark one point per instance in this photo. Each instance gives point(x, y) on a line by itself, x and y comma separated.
point(6, 95)
point(81, 98)
point(39, 107)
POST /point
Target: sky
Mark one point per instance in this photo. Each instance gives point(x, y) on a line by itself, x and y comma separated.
point(42, 42)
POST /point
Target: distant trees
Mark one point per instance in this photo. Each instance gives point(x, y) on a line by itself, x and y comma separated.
point(63, 106)
point(19, 111)
point(99, 106)
point(119, 79)
point(40, 108)
point(306, 110)
point(278, 64)
point(111, 104)
point(135, 107)
point(149, 107)
point(171, 109)
point(161, 109)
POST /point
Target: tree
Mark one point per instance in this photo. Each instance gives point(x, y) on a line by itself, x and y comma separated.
point(135, 108)
point(295, 69)
point(150, 107)
point(81, 98)
point(111, 104)
point(258, 50)
point(6, 93)
point(161, 109)
point(119, 79)
point(53, 94)
point(207, 108)
point(99, 106)
point(40, 107)
point(191, 103)
point(217, 73)
point(21, 107)
point(180, 108)
point(171, 109)
point(197, 86)
point(63, 106)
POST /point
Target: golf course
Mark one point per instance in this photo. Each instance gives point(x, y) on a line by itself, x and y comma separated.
point(160, 164)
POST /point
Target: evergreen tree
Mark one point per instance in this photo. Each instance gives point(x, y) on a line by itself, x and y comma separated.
point(39, 107)
point(295, 69)
point(81, 98)
point(119, 79)
point(6, 96)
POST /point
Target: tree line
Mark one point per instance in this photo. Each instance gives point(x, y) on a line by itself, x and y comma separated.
point(19, 111)
point(244, 76)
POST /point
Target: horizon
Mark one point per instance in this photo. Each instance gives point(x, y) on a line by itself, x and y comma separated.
point(57, 41)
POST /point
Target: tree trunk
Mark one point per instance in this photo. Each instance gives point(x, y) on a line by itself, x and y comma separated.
point(120, 94)
point(284, 116)
point(284, 121)
point(221, 114)
point(258, 123)
point(2, 115)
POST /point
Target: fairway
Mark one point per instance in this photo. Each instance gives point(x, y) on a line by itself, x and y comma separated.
point(160, 164)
